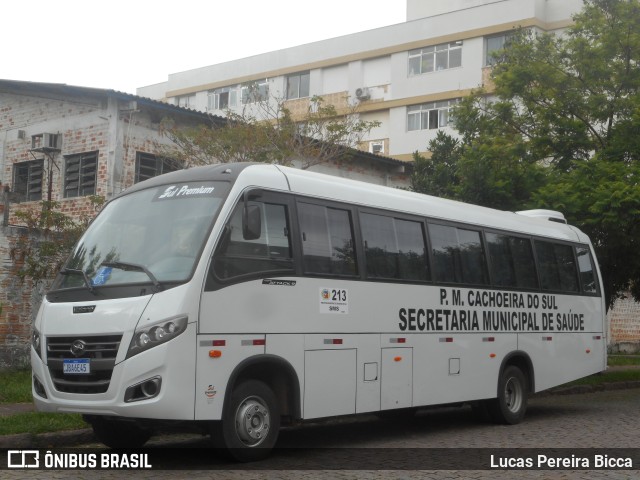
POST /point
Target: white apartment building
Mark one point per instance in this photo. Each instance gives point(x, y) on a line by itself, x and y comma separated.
point(406, 76)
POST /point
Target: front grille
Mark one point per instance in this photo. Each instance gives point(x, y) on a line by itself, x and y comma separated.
point(102, 351)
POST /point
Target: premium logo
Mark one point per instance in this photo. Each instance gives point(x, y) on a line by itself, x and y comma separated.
point(185, 191)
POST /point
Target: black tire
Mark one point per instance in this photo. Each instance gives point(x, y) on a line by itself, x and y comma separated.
point(250, 422)
point(119, 434)
point(513, 390)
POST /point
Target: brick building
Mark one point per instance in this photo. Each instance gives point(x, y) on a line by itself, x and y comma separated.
point(67, 143)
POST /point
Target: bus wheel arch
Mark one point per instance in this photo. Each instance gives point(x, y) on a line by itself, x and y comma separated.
point(275, 372)
point(515, 382)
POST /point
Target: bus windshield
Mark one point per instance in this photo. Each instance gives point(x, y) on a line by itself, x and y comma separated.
point(149, 236)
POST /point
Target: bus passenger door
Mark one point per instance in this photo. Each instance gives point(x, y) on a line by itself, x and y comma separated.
point(396, 378)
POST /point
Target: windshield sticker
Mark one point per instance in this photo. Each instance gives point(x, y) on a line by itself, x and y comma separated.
point(184, 191)
point(102, 276)
point(279, 283)
point(334, 300)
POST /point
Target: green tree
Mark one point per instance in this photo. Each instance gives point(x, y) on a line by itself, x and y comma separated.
point(572, 104)
point(268, 131)
point(47, 239)
point(438, 174)
point(486, 167)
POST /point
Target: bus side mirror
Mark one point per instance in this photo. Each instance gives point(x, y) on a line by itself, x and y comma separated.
point(251, 222)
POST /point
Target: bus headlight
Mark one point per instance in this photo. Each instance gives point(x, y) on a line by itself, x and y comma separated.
point(35, 342)
point(156, 334)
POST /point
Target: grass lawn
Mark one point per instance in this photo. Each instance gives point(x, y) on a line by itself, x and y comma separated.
point(16, 388)
point(623, 360)
point(36, 422)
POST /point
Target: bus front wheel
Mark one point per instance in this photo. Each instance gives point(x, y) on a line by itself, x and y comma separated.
point(250, 422)
point(511, 404)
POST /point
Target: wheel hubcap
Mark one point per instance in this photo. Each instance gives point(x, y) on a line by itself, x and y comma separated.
point(252, 421)
point(513, 394)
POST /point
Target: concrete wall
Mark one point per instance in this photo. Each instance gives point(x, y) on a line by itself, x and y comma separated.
point(548, 10)
point(624, 326)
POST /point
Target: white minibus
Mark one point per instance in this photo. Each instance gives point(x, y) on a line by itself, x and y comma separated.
point(235, 298)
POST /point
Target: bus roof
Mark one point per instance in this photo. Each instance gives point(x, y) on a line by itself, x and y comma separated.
point(377, 196)
point(329, 187)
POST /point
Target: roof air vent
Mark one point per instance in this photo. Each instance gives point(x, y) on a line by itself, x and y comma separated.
point(551, 215)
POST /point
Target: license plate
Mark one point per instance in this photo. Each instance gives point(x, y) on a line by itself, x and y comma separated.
point(76, 366)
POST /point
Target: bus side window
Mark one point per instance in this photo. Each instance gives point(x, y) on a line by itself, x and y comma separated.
point(512, 263)
point(458, 256)
point(394, 248)
point(587, 273)
point(270, 252)
point(557, 267)
point(327, 240)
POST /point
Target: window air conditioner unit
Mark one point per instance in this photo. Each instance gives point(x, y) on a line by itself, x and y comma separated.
point(376, 147)
point(52, 141)
point(47, 142)
point(362, 93)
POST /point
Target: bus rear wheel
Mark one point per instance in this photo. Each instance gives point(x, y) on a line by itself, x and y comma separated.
point(511, 404)
point(250, 422)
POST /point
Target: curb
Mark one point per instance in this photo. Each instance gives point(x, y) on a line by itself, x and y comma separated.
point(68, 438)
point(601, 387)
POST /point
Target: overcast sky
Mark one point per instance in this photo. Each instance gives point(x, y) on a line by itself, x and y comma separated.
point(123, 45)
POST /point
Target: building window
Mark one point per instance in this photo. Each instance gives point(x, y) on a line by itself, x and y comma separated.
point(187, 101)
point(223, 98)
point(495, 44)
point(149, 165)
point(80, 173)
point(435, 58)
point(27, 179)
point(377, 147)
point(298, 85)
point(255, 92)
point(429, 116)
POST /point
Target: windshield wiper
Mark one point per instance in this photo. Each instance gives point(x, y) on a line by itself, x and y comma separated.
point(75, 271)
point(134, 267)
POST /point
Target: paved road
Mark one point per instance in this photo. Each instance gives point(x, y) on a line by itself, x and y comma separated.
point(609, 419)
